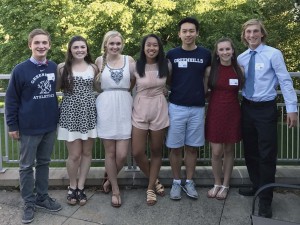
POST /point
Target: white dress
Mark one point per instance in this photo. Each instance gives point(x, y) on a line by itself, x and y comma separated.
point(114, 104)
point(78, 110)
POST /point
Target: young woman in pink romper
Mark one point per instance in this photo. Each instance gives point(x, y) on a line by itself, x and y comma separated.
point(150, 112)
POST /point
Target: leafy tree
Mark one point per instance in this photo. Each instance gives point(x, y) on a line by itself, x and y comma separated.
point(224, 19)
point(20, 18)
point(136, 18)
point(284, 31)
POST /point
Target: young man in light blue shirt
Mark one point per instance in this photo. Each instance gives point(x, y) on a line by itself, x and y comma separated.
point(259, 110)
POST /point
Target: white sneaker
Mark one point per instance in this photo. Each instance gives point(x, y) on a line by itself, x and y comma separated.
point(175, 192)
point(189, 189)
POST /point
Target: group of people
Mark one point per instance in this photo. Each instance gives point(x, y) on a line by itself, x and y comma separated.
point(193, 74)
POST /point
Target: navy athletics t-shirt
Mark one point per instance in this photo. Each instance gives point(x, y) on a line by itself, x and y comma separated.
point(188, 68)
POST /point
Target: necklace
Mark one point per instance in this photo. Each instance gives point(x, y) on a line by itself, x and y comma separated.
point(116, 75)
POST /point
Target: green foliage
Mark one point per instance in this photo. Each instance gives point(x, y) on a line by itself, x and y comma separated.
point(224, 19)
point(102, 16)
point(284, 32)
point(136, 18)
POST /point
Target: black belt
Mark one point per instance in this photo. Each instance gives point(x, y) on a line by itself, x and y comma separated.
point(262, 103)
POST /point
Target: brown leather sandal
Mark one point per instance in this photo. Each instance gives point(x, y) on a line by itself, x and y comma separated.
point(118, 197)
point(159, 188)
point(151, 197)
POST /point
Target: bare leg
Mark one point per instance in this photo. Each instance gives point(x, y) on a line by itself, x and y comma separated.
point(121, 156)
point(111, 167)
point(122, 147)
point(110, 161)
point(115, 157)
point(73, 161)
point(175, 157)
point(227, 170)
point(150, 169)
point(139, 139)
point(228, 163)
point(85, 164)
point(190, 160)
point(157, 138)
point(216, 161)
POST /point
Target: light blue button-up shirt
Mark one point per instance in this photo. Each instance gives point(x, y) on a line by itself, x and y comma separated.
point(270, 70)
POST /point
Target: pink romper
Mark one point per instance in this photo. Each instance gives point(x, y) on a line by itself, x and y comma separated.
point(150, 107)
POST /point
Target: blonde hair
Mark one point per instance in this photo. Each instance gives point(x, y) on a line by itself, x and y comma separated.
point(254, 22)
point(107, 36)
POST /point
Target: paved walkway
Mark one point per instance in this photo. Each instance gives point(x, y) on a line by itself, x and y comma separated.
point(235, 210)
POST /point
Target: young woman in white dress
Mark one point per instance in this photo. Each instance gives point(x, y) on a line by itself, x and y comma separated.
point(114, 107)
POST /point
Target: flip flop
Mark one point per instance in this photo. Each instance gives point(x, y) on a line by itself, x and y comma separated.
point(222, 194)
point(118, 197)
point(214, 191)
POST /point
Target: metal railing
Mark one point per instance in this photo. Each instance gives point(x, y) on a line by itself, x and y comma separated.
point(288, 142)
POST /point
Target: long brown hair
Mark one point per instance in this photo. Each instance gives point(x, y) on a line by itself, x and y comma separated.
point(160, 59)
point(215, 64)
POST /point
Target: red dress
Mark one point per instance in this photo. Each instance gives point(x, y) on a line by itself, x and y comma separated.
point(223, 118)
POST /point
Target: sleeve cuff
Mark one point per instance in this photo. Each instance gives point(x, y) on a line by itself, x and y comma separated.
point(291, 108)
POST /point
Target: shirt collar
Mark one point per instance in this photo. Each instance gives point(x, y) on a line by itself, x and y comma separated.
point(39, 63)
point(258, 49)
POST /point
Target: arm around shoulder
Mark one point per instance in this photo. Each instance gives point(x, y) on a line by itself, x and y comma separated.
point(98, 62)
point(96, 69)
point(96, 83)
point(131, 60)
point(59, 72)
point(169, 76)
point(132, 70)
point(206, 76)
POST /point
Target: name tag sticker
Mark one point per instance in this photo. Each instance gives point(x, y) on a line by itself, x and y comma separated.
point(233, 82)
point(259, 66)
point(182, 64)
point(51, 76)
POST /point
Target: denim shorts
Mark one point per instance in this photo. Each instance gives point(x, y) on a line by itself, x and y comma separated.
point(186, 126)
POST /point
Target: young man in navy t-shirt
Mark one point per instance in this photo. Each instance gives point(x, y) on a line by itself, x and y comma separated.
point(190, 64)
point(31, 111)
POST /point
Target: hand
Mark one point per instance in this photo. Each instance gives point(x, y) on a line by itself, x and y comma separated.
point(166, 92)
point(291, 119)
point(14, 135)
